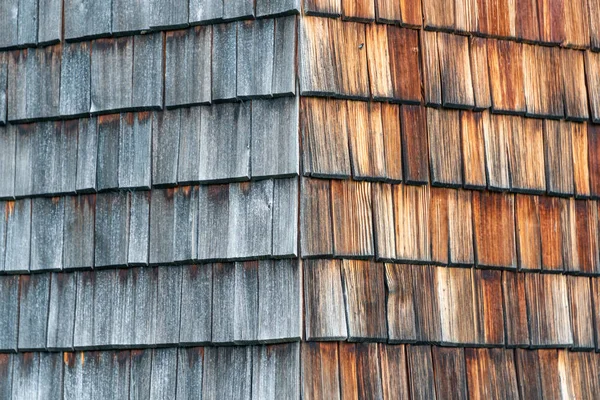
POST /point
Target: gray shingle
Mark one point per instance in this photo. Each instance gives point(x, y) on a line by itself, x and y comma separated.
point(188, 67)
point(135, 141)
point(122, 312)
point(164, 374)
point(26, 368)
point(18, 236)
point(189, 159)
point(43, 82)
point(275, 144)
point(245, 311)
point(139, 228)
point(225, 142)
point(47, 233)
point(87, 18)
point(145, 294)
point(279, 297)
point(51, 370)
point(111, 74)
point(8, 148)
point(277, 7)
point(205, 11)
point(34, 297)
point(6, 361)
point(87, 155)
point(4, 211)
point(64, 168)
point(148, 71)
point(17, 85)
point(185, 218)
point(227, 373)
point(43, 152)
point(255, 58)
point(238, 9)
point(79, 375)
point(168, 14)
point(83, 334)
point(3, 86)
point(61, 312)
point(107, 169)
point(165, 146)
point(250, 219)
point(130, 16)
point(50, 14)
point(224, 303)
point(189, 373)
point(196, 304)
point(284, 57)
point(105, 289)
point(24, 159)
point(276, 372)
point(112, 229)
point(285, 218)
point(224, 62)
point(75, 76)
point(78, 234)
point(141, 368)
point(9, 312)
point(9, 12)
point(213, 222)
point(161, 226)
point(168, 306)
point(111, 378)
point(27, 25)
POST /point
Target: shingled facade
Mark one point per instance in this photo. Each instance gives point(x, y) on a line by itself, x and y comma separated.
point(299, 199)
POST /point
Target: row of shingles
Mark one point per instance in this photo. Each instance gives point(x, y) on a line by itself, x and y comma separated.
point(243, 372)
point(162, 226)
point(27, 23)
point(569, 24)
point(475, 150)
point(403, 65)
point(228, 303)
point(350, 219)
point(232, 142)
point(367, 301)
point(365, 370)
point(111, 75)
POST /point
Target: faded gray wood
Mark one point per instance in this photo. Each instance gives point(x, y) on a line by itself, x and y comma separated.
point(111, 380)
point(250, 219)
point(224, 302)
point(164, 374)
point(279, 294)
point(135, 147)
point(42, 93)
point(9, 12)
point(61, 311)
point(3, 213)
point(130, 16)
point(107, 168)
point(205, 11)
point(245, 312)
point(276, 372)
point(17, 85)
point(51, 370)
point(8, 148)
point(43, 154)
point(79, 375)
point(75, 75)
point(188, 67)
point(78, 234)
point(225, 143)
point(185, 230)
point(165, 146)
point(285, 218)
point(26, 369)
point(50, 14)
point(87, 18)
point(64, 164)
point(168, 306)
point(87, 154)
point(6, 362)
point(111, 74)
point(24, 157)
point(148, 71)
point(240, 9)
point(145, 292)
point(189, 159)
point(213, 222)
point(161, 226)
point(83, 333)
point(284, 56)
point(9, 312)
point(139, 229)
point(34, 297)
point(255, 58)
point(27, 26)
point(224, 62)
point(105, 291)
point(123, 309)
point(3, 84)
point(168, 14)
point(141, 368)
point(196, 304)
point(275, 149)
point(111, 230)
point(189, 373)
point(277, 7)
point(227, 373)
point(18, 236)
point(47, 233)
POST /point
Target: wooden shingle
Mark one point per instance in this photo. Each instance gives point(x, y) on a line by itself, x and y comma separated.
point(361, 11)
point(455, 71)
point(227, 373)
point(51, 370)
point(427, 307)
point(405, 65)
point(284, 57)
point(414, 144)
point(360, 371)
point(456, 306)
point(326, 8)
point(213, 217)
point(285, 217)
point(268, 7)
point(34, 295)
point(543, 81)
point(318, 70)
point(238, 10)
point(162, 225)
point(163, 378)
point(497, 18)
point(491, 372)
point(255, 40)
point(480, 73)
point(552, 21)
point(577, 24)
point(394, 374)
point(24, 159)
point(137, 248)
point(529, 241)
point(148, 71)
point(135, 146)
point(487, 292)
point(575, 90)
point(87, 153)
point(4, 57)
point(75, 79)
point(390, 118)
point(506, 76)
point(275, 371)
point(320, 370)
point(460, 227)
point(366, 140)
point(592, 63)
point(453, 382)
point(378, 58)
point(439, 14)
point(586, 257)
point(18, 236)
point(188, 165)
point(189, 371)
point(593, 145)
point(9, 311)
point(473, 149)
point(130, 16)
point(526, 155)
point(466, 15)
point(26, 366)
point(168, 306)
point(165, 146)
point(47, 218)
point(10, 14)
point(559, 156)
point(568, 216)
point(168, 14)
point(86, 19)
point(432, 84)
point(3, 208)
point(411, 212)
point(185, 224)
point(352, 75)
point(581, 163)
point(205, 11)
point(224, 61)
point(107, 169)
point(111, 230)
point(551, 237)
point(580, 304)
point(401, 312)
point(445, 152)
point(78, 234)
point(196, 304)
point(383, 222)
point(316, 231)
point(111, 74)
point(497, 136)
point(421, 376)
point(8, 143)
point(438, 225)
point(527, 24)
point(61, 311)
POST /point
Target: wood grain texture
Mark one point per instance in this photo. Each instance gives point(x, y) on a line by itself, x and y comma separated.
point(360, 371)
point(61, 311)
point(3, 86)
point(227, 373)
point(575, 90)
point(551, 233)
point(87, 155)
point(148, 71)
point(411, 213)
point(491, 373)
point(581, 163)
point(445, 152)
point(552, 21)
point(405, 66)
point(427, 307)
point(439, 14)
point(497, 18)
point(196, 304)
point(421, 376)
point(457, 311)
point(383, 222)
point(255, 58)
point(367, 146)
point(8, 142)
point(466, 15)
point(168, 14)
point(526, 155)
point(497, 136)
point(189, 372)
point(326, 8)
point(348, 45)
point(489, 311)
point(401, 312)
point(432, 84)
point(86, 19)
point(275, 371)
point(593, 145)
point(34, 296)
point(580, 304)
point(18, 236)
point(135, 141)
point(494, 230)
point(47, 220)
point(316, 231)
point(130, 16)
point(224, 61)
point(378, 58)
point(320, 370)
point(390, 118)
point(9, 310)
point(577, 24)
point(361, 11)
point(111, 229)
point(558, 147)
point(318, 69)
point(460, 217)
point(455, 71)
point(414, 144)
point(480, 72)
point(284, 63)
point(78, 233)
point(75, 79)
point(473, 149)
point(285, 217)
point(543, 81)
point(439, 225)
point(529, 236)
point(586, 256)
point(506, 76)
point(453, 382)
point(213, 215)
point(139, 232)
point(112, 87)
point(592, 65)
point(527, 24)
point(352, 219)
